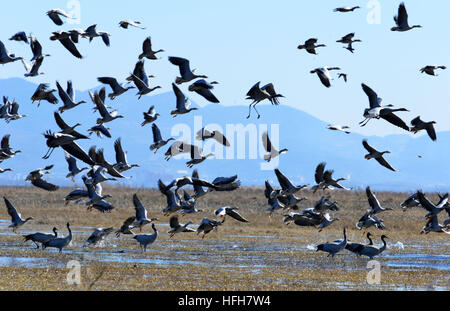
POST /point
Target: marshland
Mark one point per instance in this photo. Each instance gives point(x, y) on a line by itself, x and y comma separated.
point(263, 254)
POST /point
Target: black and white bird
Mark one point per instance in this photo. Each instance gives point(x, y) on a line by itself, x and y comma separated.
point(183, 103)
point(124, 24)
point(150, 116)
point(205, 134)
point(35, 177)
point(141, 214)
point(273, 152)
point(55, 16)
point(186, 73)
point(147, 51)
point(257, 94)
point(419, 125)
point(230, 211)
point(324, 74)
point(203, 88)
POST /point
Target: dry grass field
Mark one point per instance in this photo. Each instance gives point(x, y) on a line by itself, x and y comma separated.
point(264, 254)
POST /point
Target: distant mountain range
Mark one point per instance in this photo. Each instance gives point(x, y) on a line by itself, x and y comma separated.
point(422, 164)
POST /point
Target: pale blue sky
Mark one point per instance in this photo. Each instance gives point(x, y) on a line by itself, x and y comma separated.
point(241, 42)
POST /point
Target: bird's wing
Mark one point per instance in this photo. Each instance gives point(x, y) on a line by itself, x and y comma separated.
point(431, 132)
point(402, 17)
point(424, 202)
point(232, 213)
point(373, 201)
point(323, 78)
point(156, 133)
point(40, 183)
point(112, 82)
point(395, 120)
point(70, 46)
point(208, 95)
point(5, 142)
point(383, 162)
point(75, 150)
point(147, 45)
point(318, 176)
point(254, 90)
point(182, 63)
point(173, 222)
point(368, 147)
point(283, 180)
point(138, 82)
point(120, 154)
point(266, 142)
point(220, 138)
point(181, 98)
point(55, 18)
point(105, 38)
point(141, 213)
point(70, 91)
point(62, 93)
point(373, 97)
point(71, 161)
point(12, 211)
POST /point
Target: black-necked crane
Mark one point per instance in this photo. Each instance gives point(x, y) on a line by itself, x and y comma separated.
point(257, 94)
point(59, 243)
point(141, 214)
point(40, 237)
point(332, 248)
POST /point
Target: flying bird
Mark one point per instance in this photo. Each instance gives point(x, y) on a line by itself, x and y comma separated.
point(310, 46)
point(377, 155)
point(401, 20)
point(273, 152)
point(186, 73)
point(55, 16)
point(419, 125)
point(258, 94)
point(204, 88)
point(324, 74)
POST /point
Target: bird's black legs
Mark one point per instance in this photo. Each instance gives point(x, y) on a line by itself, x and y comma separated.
point(254, 107)
point(48, 154)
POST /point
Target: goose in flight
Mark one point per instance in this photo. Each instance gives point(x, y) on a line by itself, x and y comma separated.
point(332, 248)
point(377, 155)
point(35, 177)
point(193, 181)
point(258, 94)
point(198, 189)
point(368, 220)
point(324, 74)
point(410, 202)
point(144, 88)
point(183, 103)
point(374, 203)
point(124, 24)
point(106, 116)
point(377, 111)
point(430, 207)
point(205, 134)
point(139, 71)
point(173, 203)
point(59, 243)
point(67, 97)
point(273, 152)
point(98, 235)
point(20, 36)
point(66, 142)
point(272, 199)
point(326, 204)
point(348, 39)
point(373, 250)
point(230, 211)
point(16, 217)
point(203, 88)
point(55, 16)
point(118, 89)
point(126, 227)
point(100, 130)
point(326, 221)
point(226, 183)
point(33, 71)
point(122, 164)
point(158, 141)
point(150, 116)
point(97, 175)
point(290, 201)
point(419, 125)
point(324, 179)
point(146, 239)
point(207, 225)
point(343, 75)
point(401, 20)
point(76, 195)
point(65, 39)
point(4, 170)
point(5, 56)
point(186, 73)
point(94, 194)
point(36, 48)
point(6, 151)
point(196, 154)
point(44, 93)
point(73, 168)
point(433, 225)
point(91, 33)
point(66, 129)
point(39, 237)
point(176, 227)
point(430, 70)
point(286, 185)
point(147, 51)
point(339, 128)
point(346, 9)
point(141, 214)
point(310, 46)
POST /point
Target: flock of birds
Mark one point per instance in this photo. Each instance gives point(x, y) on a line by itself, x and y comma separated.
point(100, 170)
